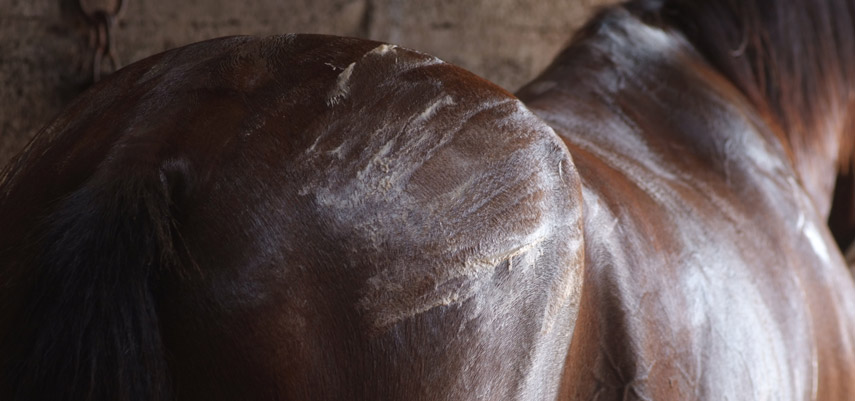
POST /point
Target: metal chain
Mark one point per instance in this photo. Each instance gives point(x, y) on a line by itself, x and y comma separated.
point(101, 16)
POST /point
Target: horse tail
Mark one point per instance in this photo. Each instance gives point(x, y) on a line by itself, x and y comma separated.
point(88, 326)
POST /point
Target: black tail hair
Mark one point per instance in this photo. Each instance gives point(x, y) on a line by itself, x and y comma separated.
point(90, 328)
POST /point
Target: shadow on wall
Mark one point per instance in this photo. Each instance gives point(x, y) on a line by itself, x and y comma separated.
point(47, 56)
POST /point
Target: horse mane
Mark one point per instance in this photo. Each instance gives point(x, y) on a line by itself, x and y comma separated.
point(794, 60)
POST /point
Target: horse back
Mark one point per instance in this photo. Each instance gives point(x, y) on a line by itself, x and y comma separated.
point(294, 217)
point(709, 275)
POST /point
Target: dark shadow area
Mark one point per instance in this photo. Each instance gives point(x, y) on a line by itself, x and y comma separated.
point(841, 219)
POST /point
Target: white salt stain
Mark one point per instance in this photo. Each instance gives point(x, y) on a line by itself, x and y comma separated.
point(339, 150)
point(431, 110)
point(491, 261)
point(475, 269)
point(341, 88)
point(382, 50)
point(311, 149)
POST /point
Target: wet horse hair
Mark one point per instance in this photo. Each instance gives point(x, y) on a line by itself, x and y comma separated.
point(311, 217)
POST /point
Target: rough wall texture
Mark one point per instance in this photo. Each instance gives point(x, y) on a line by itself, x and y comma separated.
point(46, 59)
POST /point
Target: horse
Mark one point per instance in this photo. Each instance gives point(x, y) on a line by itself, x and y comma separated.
point(707, 136)
point(310, 217)
point(296, 217)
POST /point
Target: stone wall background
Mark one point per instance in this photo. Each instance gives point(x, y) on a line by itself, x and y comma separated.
point(45, 58)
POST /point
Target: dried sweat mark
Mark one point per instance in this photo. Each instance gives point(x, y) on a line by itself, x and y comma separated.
point(382, 50)
point(339, 92)
point(339, 151)
point(382, 170)
point(448, 289)
point(478, 265)
point(341, 89)
point(431, 110)
point(389, 159)
point(368, 198)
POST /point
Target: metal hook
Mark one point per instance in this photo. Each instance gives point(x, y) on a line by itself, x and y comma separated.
point(101, 18)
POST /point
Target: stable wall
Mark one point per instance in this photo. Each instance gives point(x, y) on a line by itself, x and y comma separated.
point(45, 58)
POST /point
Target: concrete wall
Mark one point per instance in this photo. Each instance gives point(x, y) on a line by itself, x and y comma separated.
point(45, 59)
